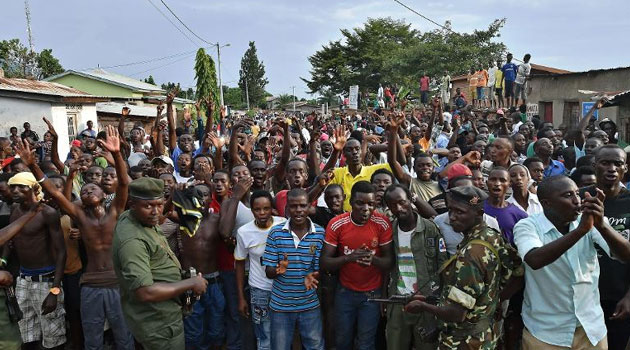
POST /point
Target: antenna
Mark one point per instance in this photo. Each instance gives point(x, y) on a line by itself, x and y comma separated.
point(28, 25)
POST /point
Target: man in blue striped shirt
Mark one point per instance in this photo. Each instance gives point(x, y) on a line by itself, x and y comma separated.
point(291, 254)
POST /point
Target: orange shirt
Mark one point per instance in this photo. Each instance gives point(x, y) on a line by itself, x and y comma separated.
point(482, 78)
point(73, 260)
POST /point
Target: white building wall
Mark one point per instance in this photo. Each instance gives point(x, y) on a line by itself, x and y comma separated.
point(14, 112)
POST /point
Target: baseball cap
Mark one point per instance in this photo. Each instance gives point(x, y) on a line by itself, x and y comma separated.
point(163, 159)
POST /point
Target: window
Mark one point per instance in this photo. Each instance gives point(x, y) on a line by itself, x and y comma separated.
point(72, 126)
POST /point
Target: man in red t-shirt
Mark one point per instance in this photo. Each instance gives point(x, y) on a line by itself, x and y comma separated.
point(359, 244)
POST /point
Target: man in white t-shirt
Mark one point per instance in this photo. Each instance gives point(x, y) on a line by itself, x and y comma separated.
point(420, 251)
point(492, 79)
point(522, 74)
point(250, 247)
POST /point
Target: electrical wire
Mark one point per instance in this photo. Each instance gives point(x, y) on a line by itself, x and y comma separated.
point(176, 27)
point(423, 16)
point(150, 60)
point(184, 24)
point(164, 65)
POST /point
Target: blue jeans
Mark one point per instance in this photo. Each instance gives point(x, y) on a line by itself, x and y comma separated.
point(240, 334)
point(96, 305)
point(204, 327)
point(352, 308)
point(260, 317)
point(309, 325)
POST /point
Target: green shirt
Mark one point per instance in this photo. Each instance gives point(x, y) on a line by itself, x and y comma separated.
point(142, 257)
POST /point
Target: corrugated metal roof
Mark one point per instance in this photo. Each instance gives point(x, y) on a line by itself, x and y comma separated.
point(116, 108)
point(40, 87)
point(112, 78)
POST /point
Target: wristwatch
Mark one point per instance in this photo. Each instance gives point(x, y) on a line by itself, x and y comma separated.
point(55, 290)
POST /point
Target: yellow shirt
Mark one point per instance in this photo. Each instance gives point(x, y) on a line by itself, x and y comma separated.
point(499, 84)
point(346, 181)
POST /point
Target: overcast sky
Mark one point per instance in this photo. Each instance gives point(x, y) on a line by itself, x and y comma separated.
point(575, 35)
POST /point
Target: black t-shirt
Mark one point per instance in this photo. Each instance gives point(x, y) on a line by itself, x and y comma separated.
point(614, 278)
point(322, 216)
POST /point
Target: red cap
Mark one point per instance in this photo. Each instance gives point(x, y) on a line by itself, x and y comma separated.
point(457, 170)
point(76, 143)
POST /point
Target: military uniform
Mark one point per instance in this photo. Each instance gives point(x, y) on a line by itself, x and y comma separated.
point(142, 257)
point(473, 278)
point(429, 253)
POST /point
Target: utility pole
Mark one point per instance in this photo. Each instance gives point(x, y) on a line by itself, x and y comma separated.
point(293, 98)
point(219, 61)
point(247, 92)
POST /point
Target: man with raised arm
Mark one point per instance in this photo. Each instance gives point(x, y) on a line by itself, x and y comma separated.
point(100, 298)
point(41, 252)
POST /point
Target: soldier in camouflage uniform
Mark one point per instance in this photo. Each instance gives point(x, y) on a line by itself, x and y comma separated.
point(473, 278)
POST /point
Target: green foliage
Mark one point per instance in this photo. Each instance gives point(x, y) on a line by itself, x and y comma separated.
point(18, 62)
point(283, 99)
point(150, 80)
point(389, 51)
point(206, 77)
point(168, 86)
point(234, 97)
point(253, 71)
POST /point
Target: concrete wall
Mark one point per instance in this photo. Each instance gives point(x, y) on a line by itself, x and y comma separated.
point(559, 89)
point(15, 112)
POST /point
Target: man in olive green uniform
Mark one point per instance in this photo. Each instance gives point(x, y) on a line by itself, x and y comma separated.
point(473, 280)
point(148, 271)
point(420, 251)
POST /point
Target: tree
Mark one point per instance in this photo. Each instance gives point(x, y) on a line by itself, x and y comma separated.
point(389, 51)
point(234, 97)
point(206, 77)
point(253, 71)
point(150, 80)
point(283, 99)
point(19, 62)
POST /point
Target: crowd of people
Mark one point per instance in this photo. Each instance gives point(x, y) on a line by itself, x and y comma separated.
point(436, 226)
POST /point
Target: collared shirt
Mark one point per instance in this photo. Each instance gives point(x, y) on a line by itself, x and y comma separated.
point(555, 168)
point(142, 257)
point(288, 293)
point(452, 238)
point(533, 204)
point(564, 294)
point(346, 180)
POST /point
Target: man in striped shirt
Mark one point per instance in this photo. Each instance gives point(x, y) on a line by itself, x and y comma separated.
point(291, 254)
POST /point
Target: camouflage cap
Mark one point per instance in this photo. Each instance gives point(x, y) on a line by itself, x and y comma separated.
point(468, 194)
point(146, 188)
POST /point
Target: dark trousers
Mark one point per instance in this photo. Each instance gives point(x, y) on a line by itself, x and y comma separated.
point(618, 331)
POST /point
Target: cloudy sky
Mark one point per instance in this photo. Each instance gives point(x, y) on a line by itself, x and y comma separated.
point(575, 35)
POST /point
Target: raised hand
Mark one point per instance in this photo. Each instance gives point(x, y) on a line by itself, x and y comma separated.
point(125, 111)
point(594, 206)
point(112, 143)
point(340, 137)
point(395, 121)
point(474, 158)
point(187, 115)
point(198, 107)
point(23, 149)
point(171, 95)
point(601, 102)
point(242, 187)
point(160, 108)
point(311, 280)
point(324, 179)
point(282, 265)
point(51, 128)
point(223, 112)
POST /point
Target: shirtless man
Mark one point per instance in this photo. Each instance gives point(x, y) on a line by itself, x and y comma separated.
point(41, 251)
point(100, 297)
point(204, 327)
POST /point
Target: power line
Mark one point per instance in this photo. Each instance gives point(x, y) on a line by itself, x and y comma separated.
point(164, 65)
point(150, 60)
point(184, 24)
point(423, 16)
point(176, 27)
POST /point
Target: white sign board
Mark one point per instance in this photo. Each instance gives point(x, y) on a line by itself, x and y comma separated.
point(532, 110)
point(354, 97)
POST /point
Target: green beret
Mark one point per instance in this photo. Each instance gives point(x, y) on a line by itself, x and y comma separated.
point(146, 188)
point(468, 194)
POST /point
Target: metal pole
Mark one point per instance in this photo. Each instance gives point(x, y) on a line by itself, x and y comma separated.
point(220, 83)
point(293, 99)
point(247, 92)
